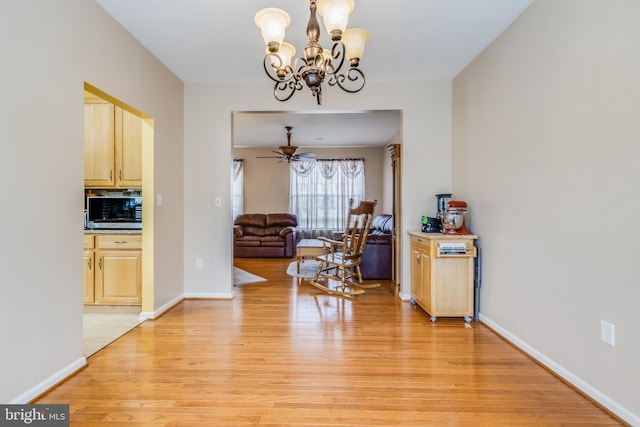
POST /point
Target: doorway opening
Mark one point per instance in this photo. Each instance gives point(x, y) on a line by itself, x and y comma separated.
point(119, 254)
point(258, 135)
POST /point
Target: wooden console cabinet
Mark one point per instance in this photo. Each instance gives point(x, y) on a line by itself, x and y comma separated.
point(113, 270)
point(441, 279)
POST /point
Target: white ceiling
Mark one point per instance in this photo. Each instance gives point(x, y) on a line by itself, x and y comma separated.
point(216, 41)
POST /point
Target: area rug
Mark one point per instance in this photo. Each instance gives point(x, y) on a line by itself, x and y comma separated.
point(241, 277)
point(308, 269)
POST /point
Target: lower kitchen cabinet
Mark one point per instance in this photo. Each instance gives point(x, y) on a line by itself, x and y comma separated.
point(89, 267)
point(442, 274)
point(117, 261)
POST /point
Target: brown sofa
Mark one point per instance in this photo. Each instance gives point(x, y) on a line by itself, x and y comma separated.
point(264, 235)
point(376, 258)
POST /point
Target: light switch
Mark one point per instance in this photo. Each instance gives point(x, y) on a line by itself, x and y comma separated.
point(218, 201)
point(159, 199)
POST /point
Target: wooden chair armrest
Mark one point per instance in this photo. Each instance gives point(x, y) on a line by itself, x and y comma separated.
point(330, 241)
point(330, 245)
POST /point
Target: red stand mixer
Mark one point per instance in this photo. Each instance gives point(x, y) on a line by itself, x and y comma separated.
point(453, 218)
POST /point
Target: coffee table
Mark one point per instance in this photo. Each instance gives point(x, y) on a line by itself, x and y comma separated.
point(307, 249)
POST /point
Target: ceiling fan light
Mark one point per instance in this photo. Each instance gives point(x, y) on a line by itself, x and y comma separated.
point(272, 23)
point(336, 15)
point(354, 40)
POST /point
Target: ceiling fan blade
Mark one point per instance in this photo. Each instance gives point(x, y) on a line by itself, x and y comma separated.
point(268, 157)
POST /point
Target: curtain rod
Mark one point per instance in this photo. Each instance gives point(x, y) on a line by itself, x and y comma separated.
point(343, 159)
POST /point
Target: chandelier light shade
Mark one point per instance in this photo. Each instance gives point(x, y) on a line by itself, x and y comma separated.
point(272, 22)
point(336, 15)
point(354, 40)
point(317, 63)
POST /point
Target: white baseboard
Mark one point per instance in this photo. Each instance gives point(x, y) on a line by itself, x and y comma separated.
point(565, 374)
point(147, 315)
point(48, 383)
point(207, 295)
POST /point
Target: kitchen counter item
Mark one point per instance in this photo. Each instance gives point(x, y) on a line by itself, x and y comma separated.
point(453, 218)
point(98, 231)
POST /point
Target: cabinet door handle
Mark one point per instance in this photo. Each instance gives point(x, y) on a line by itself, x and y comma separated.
point(120, 242)
point(90, 266)
point(111, 175)
point(100, 263)
point(120, 175)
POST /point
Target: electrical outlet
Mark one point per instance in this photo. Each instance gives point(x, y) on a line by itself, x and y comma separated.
point(159, 199)
point(608, 333)
point(199, 264)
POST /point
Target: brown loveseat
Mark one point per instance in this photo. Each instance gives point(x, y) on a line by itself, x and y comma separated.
point(264, 235)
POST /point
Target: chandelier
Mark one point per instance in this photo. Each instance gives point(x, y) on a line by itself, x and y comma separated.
point(317, 63)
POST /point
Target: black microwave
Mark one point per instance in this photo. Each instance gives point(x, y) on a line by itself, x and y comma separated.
point(123, 213)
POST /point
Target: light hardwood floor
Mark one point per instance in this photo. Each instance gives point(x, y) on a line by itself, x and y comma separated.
point(285, 354)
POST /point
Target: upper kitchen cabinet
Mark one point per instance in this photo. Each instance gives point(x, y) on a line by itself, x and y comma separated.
point(128, 149)
point(112, 146)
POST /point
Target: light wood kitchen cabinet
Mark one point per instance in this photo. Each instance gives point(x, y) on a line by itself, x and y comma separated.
point(116, 277)
point(442, 274)
point(128, 149)
point(99, 139)
point(89, 267)
point(112, 146)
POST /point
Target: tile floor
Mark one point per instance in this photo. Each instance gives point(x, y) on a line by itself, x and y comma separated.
point(100, 329)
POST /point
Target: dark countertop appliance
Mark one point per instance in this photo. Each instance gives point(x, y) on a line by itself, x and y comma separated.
point(434, 224)
point(113, 213)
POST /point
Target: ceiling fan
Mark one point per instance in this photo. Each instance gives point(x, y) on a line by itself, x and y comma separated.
point(287, 152)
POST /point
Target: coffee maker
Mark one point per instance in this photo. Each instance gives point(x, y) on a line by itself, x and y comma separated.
point(434, 224)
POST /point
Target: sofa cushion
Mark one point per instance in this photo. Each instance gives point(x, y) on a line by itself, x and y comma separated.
point(248, 241)
point(272, 241)
point(253, 231)
point(272, 231)
point(376, 239)
point(281, 220)
point(251, 220)
point(381, 224)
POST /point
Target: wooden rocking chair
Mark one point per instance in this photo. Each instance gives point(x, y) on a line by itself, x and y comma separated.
point(342, 258)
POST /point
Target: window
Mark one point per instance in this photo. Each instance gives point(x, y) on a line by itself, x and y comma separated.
point(237, 188)
point(320, 192)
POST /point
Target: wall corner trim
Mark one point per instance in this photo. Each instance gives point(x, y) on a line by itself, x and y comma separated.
point(150, 315)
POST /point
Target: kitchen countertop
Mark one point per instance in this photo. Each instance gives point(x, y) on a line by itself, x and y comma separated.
point(441, 235)
point(111, 231)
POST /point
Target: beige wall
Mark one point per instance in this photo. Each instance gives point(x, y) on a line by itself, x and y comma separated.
point(266, 181)
point(49, 49)
point(546, 148)
point(426, 135)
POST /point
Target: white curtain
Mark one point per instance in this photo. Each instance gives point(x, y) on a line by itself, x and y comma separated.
point(237, 188)
point(320, 192)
